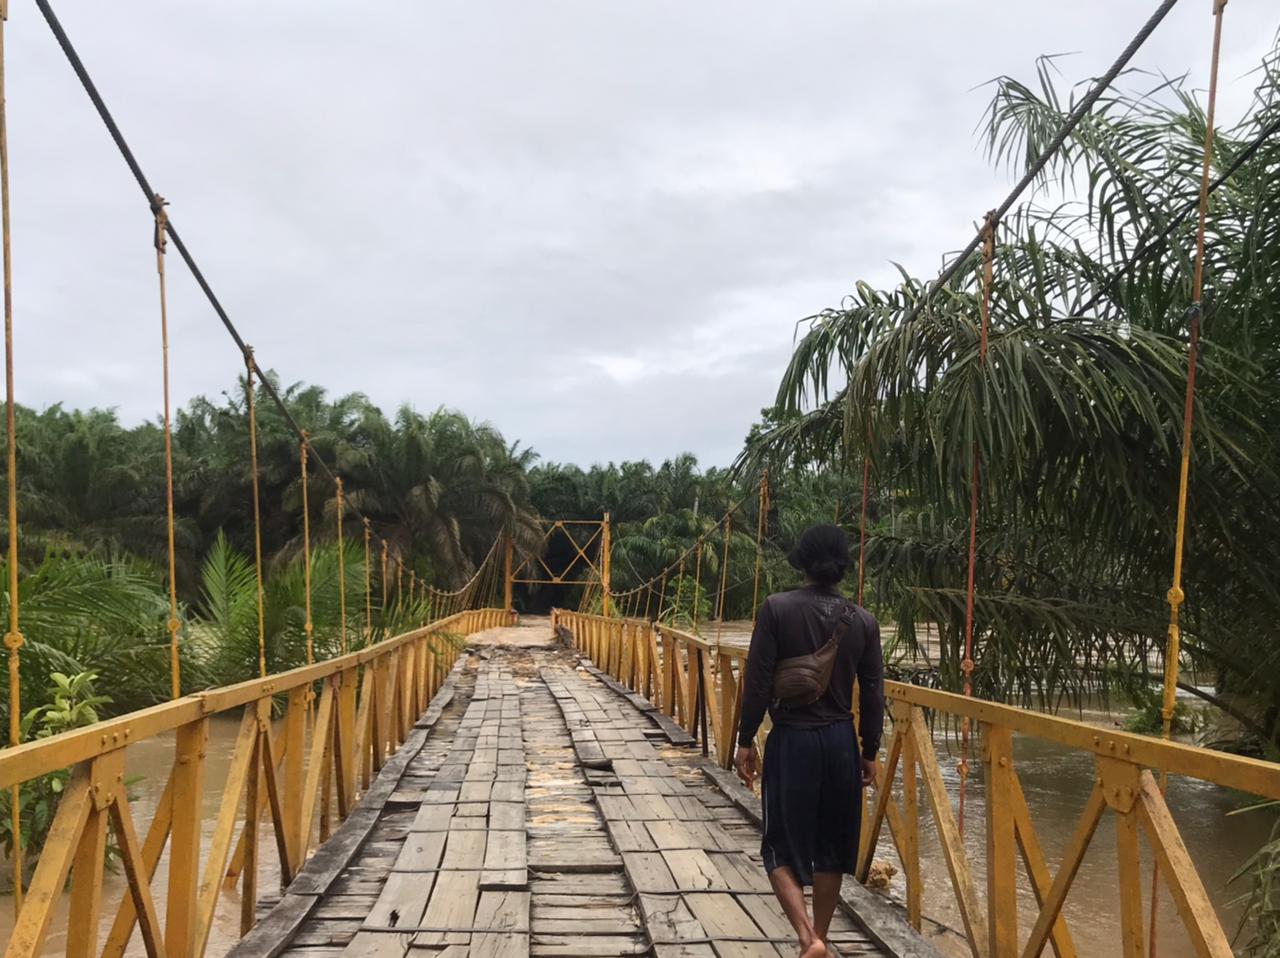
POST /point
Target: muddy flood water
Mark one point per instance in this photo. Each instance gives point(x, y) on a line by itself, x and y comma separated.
point(1056, 781)
point(152, 759)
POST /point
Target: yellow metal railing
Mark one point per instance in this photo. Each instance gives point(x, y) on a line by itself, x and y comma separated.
point(299, 772)
point(699, 684)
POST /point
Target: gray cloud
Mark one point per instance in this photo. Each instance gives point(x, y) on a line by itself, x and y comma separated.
point(593, 224)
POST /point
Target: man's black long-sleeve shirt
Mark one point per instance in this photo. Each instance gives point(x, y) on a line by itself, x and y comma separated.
point(800, 622)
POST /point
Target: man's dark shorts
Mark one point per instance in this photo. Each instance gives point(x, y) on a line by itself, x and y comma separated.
point(812, 798)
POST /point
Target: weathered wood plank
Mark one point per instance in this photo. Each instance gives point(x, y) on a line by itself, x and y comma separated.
point(722, 916)
point(649, 872)
point(508, 910)
point(506, 865)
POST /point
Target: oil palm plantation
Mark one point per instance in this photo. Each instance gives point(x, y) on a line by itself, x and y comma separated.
point(440, 490)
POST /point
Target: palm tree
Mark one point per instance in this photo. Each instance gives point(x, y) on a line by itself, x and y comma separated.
point(440, 490)
point(1076, 414)
point(88, 614)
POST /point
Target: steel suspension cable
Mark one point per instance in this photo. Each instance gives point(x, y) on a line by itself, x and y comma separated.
point(1037, 166)
point(13, 640)
point(126, 152)
point(130, 159)
point(734, 507)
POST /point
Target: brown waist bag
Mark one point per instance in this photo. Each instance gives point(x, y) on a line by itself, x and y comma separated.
point(803, 679)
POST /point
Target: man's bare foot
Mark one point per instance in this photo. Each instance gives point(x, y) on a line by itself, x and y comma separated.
point(816, 949)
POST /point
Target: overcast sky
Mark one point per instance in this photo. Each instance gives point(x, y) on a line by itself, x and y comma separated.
point(594, 224)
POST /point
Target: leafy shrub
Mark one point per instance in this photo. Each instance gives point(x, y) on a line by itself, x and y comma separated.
point(686, 603)
point(74, 706)
point(1262, 905)
point(86, 614)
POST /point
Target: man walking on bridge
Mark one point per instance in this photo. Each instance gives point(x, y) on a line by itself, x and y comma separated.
point(807, 647)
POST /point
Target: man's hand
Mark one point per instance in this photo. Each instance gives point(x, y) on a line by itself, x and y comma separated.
point(744, 760)
point(870, 769)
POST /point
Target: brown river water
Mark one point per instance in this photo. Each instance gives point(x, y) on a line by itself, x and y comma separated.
point(153, 759)
point(1056, 781)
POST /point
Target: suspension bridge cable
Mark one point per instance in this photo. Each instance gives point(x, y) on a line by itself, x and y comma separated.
point(1176, 595)
point(173, 625)
point(155, 203)
point(762, 521)
point(368, 583)
point(342, 571)
point(308, 625)
point(257, 515)
point(862, 527)
point(1037, 166)
point(13, 640)
point(966, 665)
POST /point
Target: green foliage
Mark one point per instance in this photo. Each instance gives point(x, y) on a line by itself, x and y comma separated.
point(660, 513)
point(687, 604)
point(1261, 919)
point(86, 614)
point(439, 488)
point(1076, 413)
point(74, 705)
point(1145, 693)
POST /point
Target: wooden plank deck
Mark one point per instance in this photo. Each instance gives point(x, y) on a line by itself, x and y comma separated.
point(541, 813)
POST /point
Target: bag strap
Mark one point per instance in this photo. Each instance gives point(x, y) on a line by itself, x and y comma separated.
point(847, 618)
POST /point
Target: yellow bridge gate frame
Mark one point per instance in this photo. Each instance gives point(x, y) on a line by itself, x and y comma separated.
point(583, 568)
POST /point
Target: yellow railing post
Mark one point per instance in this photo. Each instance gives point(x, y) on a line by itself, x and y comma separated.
point(252, 810)
point(508, 550)
point(181, 913)
point(295, 749)
point(345, 733)
point(86, 876)
point(1002, 851)
point(909, 843)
